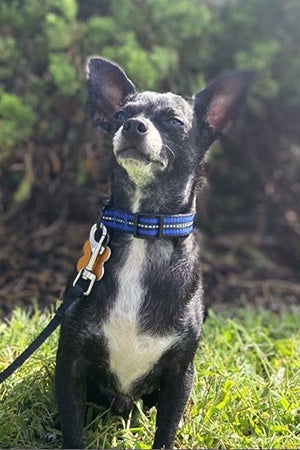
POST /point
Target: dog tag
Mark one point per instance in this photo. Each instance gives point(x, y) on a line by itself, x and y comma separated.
point(98, 268)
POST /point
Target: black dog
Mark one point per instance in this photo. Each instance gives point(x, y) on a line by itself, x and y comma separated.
point(136, 335)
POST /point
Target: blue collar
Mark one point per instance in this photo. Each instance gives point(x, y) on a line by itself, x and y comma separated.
point(151, 226)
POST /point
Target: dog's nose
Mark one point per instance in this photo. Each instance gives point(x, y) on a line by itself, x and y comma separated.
point(134, 127)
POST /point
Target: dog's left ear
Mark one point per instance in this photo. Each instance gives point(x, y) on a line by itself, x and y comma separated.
point(108, 86)
point(218, 105)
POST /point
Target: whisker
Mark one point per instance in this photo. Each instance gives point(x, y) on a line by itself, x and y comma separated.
point(170, 150)
point(170, 145)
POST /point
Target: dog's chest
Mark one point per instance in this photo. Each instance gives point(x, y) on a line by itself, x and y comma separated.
point(132, 353)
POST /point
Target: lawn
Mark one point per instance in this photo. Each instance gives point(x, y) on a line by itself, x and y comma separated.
point(246, 392)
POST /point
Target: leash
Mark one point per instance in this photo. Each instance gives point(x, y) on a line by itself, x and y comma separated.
point(90, 269)
point(75, 293)
point(90, 266)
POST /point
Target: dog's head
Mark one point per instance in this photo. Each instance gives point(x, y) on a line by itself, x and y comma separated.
point(160, 135)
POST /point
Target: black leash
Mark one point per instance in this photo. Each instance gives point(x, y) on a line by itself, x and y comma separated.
point(75, 293)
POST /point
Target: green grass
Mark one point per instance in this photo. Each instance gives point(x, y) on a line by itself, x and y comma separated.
point(246, 392)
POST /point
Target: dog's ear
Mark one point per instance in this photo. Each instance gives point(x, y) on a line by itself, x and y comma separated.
point(219, 104)
point(108, 85)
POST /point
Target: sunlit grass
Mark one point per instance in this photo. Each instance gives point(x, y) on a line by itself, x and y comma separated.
point(246, 392)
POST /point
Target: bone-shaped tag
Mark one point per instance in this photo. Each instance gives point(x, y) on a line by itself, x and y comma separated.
point(98, 267)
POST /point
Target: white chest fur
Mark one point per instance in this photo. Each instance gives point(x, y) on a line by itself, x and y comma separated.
point(132, 353)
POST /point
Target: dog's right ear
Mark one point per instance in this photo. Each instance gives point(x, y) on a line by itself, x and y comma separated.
point(108, 86)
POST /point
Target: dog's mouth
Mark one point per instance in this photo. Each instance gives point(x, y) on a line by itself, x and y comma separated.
point(140, 157)
point(140, 166)
point(133, 153)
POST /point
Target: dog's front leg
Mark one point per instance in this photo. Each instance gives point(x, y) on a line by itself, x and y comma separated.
point(174, 394)
point(70, 385)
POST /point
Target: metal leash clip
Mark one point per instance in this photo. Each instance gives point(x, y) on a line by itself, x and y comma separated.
point(95, 254)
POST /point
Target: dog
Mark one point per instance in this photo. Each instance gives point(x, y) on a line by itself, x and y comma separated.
point(136, 334)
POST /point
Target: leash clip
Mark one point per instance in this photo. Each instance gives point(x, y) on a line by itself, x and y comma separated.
point(97, 247)
point(86, 275)
point(98, 254)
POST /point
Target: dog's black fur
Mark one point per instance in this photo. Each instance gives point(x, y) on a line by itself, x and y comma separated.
point(159, 144)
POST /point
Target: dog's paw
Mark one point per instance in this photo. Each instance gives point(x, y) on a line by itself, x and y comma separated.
point(51, 437)
point(121, 406)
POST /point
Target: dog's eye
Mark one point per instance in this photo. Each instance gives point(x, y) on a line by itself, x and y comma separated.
point(120, 116)
point(175, 122)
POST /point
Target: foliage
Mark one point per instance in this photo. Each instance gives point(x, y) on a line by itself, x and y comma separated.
point(161, 44)
point(17, 121)
point(245, 395)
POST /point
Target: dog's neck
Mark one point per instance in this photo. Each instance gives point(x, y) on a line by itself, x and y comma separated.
point(171, 197)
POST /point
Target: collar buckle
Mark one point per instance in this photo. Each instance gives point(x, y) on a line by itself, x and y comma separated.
point(137, 225)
